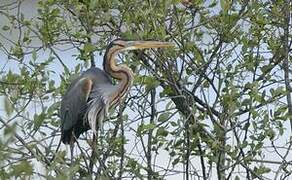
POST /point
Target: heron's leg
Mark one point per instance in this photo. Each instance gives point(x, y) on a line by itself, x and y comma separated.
point(71, 152)
point(93, 153)
point(72, 147)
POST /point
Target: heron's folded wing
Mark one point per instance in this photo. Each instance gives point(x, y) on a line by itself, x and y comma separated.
point(99, 104)
point(74, 103)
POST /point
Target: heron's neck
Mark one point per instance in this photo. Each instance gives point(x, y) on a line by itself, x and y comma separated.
point(119, 72)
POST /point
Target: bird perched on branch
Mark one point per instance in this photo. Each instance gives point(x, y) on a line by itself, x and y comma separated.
point(89, 97)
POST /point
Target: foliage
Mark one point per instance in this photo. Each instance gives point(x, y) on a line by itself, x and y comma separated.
point(217, 105)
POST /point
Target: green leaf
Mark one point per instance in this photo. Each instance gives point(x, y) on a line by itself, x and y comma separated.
point(168, 105)
point(271, 133)
point(151, 83)
point(162, 132)
point(88, 48)
point(17, 51)
point(277, 92)
point(8, 106)
point(175, 161)
point(34, 55)
point(174, 124)
point(225, 5)
point(132, 163)
point(262, 170)
point(10, 130)
point(172, 153)
point(5, 28)
point(163, 117)
point(25, 39)
point(22, 168)
point(144, 128)
point(38, 120)
point(167, 91)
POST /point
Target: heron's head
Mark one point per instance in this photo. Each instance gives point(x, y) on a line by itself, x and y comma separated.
point(133, 45)
point(119, 45)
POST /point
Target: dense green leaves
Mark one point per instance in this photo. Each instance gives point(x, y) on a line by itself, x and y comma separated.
point(23, 168)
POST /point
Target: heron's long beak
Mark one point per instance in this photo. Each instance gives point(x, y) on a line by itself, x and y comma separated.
point(132, 45)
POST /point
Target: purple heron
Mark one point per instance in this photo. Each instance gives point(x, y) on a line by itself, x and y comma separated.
point(89, 97)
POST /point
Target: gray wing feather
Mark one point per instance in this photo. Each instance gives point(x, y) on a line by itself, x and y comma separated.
point(99, 104)
point(74, 103)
